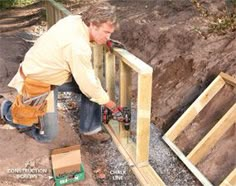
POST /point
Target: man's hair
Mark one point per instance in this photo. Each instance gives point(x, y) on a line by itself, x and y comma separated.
point(100, 13)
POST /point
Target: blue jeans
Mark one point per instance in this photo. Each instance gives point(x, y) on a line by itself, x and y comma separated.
point(90, 116)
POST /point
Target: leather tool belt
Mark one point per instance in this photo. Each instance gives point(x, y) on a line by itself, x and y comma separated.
point(31, 104)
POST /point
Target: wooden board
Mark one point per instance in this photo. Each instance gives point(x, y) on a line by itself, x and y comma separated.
point(230, 180)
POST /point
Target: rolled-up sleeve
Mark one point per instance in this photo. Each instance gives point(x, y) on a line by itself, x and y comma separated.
point(83, 72)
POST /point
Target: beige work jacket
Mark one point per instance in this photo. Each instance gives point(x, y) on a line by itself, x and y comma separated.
point(64, 50)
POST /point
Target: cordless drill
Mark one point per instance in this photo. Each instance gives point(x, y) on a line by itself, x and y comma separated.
point(126, 116)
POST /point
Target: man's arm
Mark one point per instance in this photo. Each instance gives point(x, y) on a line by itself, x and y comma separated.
point(81, 68)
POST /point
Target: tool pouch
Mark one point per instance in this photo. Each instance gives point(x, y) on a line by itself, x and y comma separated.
point(28, 114)
point(33, 88)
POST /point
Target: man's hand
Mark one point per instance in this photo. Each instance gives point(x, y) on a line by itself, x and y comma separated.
point(117, 114)
point(116, 111)
point(111, 105)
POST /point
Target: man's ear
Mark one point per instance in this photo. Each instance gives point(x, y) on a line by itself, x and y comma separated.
point(93, 26)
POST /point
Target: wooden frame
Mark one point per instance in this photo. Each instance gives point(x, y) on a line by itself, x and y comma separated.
point(212, 137)
point(135, 154)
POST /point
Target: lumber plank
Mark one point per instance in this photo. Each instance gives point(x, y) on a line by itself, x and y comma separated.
point(191, 167)
point(125, 95)
point(151, 176)
point(143, 117)
point(98, 61)
point(195, 108)
point(110, 74)
point(229, 79)
point(133, 62)
point(230, 180)
point(139, 176)
point(125, 84)
point(59, 7)
point(55, 11)
point(50, 19)
point(213, 136)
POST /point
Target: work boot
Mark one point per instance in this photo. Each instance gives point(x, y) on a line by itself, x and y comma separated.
point(5, 106)
point(99, 137)
point(2, 109)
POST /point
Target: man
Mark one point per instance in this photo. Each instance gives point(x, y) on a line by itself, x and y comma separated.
point(60, 60)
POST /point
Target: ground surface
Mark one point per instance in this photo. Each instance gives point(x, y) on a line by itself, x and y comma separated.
point(163, 33)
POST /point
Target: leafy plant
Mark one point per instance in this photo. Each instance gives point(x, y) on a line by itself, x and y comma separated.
point(221, 23)
point(15, 3)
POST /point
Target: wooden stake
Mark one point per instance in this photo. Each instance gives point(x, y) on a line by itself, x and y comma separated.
point(110, 74)
point(143, 118)
point(125, 96)
point(98, 62)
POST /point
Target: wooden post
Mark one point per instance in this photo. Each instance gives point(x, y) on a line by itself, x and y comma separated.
point(49, 10)
point(110, 74)
point(125, 97)
point(125, 85)
point(57, 15)
point(59, 7)
point(55, 11)
point(98, 62)
point(143, 118)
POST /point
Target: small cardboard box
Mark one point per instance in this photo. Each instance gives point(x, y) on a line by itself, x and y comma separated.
point(66, 160)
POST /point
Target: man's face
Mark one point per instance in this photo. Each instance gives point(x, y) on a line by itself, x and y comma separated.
point(100, 34)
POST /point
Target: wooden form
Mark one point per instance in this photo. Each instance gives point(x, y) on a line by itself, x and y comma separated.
point(212, 137)
point(136, 154)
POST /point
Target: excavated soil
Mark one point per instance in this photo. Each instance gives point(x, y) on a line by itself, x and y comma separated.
point(164, 34)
